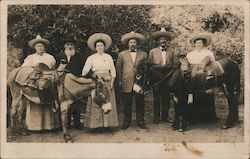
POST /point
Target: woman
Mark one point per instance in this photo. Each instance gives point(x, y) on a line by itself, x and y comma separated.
point(203, 109)
point(102, 65)
point(40, 117)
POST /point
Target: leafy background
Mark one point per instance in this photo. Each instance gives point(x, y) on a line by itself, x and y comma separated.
point(224, 23)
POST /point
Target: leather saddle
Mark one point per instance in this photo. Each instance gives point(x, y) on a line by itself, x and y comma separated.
point(27, 76)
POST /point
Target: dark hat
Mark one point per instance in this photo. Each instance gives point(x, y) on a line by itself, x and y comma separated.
point(69, 38)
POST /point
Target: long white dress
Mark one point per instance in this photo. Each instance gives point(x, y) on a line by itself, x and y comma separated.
point(103, 66)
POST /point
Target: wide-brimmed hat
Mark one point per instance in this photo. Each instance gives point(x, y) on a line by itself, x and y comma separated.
point(204, 36)
point(132, 35)
point(99, 36)
point(162, 33)
point(38, 39)
point(69, 38)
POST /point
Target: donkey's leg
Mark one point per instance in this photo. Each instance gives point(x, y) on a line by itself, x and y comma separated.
point(177, 114)
point(64, 117)
point(182, 104)
point(233, 105)
point(14, 112)
point(22, 115)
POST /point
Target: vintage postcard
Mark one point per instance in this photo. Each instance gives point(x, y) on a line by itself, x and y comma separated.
point(125, 79)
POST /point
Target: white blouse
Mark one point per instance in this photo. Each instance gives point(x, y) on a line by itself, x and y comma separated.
point(35, 58)
point(196, 57)
point(101, 63)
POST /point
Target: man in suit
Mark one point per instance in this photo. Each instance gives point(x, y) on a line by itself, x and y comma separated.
point(75, 61)
point(127, 64)
point(161, 55)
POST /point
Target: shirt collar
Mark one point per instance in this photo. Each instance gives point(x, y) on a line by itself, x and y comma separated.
point(163, 48)
point(40, 54)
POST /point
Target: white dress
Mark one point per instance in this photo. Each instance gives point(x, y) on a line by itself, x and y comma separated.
point(196, 57)
point(33, 59)
point(103, 66)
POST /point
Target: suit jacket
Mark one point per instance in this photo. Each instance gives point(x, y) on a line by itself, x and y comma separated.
point(126, 68)
point(155, 56)
point(75, 65)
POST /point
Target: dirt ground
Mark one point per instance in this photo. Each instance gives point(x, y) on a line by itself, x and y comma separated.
point(162, 133)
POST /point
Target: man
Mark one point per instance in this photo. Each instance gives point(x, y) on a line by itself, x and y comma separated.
point(75, 62)
point(162, 55)
point(127, 64)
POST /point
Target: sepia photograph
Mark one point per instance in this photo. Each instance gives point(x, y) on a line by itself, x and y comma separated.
point(166, 74)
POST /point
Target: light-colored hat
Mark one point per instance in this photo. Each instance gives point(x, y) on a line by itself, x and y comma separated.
point(99, 36)
point(162, 33)
point(38, 39)
point(204, 36)
point(132, 35)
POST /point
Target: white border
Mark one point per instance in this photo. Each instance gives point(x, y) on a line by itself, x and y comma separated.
point(146, 150)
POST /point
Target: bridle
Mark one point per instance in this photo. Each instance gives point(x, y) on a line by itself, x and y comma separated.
point(168, 75)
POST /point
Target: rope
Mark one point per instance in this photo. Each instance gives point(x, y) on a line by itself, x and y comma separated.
point(78, 98)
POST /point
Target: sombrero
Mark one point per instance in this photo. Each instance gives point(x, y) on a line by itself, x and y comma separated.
point(204, 36)
point(99, 36)
point(132, 35)
point(162, 33)
point(38, 39)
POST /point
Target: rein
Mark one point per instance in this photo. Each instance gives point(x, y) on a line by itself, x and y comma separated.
point(164, 78)
point(78, 98)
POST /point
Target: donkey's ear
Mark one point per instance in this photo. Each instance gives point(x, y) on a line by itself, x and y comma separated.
point(181, 54)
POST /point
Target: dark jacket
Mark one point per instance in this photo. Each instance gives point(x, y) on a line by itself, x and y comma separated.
point(155, 56)
point(76, 63)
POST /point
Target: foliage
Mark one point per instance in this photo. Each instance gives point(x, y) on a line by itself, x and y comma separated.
point(54, 21)
point(224, 23)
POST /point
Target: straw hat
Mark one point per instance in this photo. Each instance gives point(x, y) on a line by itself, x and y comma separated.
point(38, 39)
point(99, 36)
point(132, 35)
point(204, 36)
point(162, 33)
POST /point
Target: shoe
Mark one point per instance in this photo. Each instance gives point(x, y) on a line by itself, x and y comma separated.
point(156, 121)
point(142, 126)
point(125, 126)
point(79, 127)
point(225, 126)
point(168, 120)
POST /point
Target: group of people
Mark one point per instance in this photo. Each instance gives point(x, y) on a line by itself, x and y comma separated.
point(125, 70)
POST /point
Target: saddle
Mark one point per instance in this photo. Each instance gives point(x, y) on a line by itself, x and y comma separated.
point(27, 76)
point(204, 75)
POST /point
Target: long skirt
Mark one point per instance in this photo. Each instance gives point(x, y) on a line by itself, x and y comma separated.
point(41, 117)
point(95, 117)
point(204, 108)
